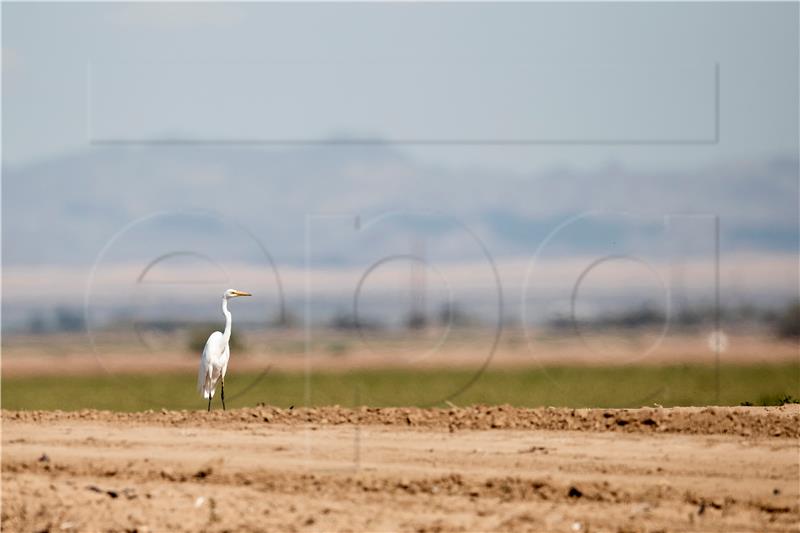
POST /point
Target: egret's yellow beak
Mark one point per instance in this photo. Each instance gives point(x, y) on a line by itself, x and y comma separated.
point(241, 293)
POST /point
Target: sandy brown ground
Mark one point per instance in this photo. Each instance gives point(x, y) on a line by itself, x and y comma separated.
point(460, 469)
point(70, 354)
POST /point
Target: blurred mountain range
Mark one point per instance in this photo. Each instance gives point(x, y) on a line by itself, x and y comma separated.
point(111, 214)
point(64, 210)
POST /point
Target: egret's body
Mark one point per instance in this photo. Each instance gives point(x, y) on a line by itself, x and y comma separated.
point(217, 352)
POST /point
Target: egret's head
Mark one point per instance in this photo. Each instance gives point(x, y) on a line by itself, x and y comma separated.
point(233, 293)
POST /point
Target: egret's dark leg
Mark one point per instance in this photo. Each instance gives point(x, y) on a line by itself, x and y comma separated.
point(209, 403)
point(222, 394)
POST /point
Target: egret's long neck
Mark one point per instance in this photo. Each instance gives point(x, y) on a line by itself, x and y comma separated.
point(227, 332)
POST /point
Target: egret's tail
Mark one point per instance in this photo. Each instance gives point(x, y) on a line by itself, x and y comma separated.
point(205, 385)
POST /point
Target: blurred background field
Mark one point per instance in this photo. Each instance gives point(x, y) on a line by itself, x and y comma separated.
point(601, 367)
point(568, 386)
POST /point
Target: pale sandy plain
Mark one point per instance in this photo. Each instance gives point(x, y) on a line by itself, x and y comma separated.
point(74, 354)
point(398, 469)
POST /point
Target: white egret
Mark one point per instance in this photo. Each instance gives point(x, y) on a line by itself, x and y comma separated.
point(214, 361)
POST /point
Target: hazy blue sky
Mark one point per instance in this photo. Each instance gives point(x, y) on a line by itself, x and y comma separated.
point(572, 71)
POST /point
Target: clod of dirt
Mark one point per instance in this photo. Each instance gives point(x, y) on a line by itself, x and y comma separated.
point(44, 458)
point(203, 472)
point(535, 449)
point(110, 493)
point(574, 492)
point(767, 508)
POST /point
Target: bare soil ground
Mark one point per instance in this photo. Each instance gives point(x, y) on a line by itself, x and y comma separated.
point(460, 469)
point(70, 354)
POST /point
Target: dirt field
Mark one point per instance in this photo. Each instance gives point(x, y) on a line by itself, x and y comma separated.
point(333, 469)
point(70, 354)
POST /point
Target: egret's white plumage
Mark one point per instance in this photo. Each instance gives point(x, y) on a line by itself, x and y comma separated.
point(217, 352)
point(213, 364)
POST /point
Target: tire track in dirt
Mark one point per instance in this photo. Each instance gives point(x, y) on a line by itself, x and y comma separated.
point(506, 488)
